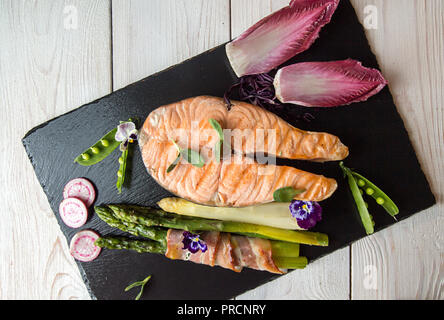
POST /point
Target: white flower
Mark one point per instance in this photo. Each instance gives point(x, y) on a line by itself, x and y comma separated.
point(126, 133)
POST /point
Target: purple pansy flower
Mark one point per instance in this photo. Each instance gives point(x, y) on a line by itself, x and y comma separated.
point(306, 213)
point(126, 134)
point(193, 243)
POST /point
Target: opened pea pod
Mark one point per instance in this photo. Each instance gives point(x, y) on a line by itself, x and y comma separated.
point(359, 185)
point(123, 135)
point(99, 151)
point(373, 191)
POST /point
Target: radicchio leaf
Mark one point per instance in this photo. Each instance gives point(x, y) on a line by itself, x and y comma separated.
point(327, 84)
point(279, 36)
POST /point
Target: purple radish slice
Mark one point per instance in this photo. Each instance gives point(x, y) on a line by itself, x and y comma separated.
point(73, 212)
point(279, 36)
point(327, 84)
point(82, 246)
point(81, 189)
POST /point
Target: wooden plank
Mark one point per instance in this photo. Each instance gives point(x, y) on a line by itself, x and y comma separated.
point(149, 36)
point(327, 278)
point(406, 260)
point(54, 57)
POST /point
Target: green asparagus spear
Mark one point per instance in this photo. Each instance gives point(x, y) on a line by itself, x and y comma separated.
point(122, 243)
point(153, 233)
point(153, 217)
point(156, 247)
point(291, 263)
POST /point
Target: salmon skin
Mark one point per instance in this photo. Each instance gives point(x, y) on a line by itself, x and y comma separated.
point(236, 180)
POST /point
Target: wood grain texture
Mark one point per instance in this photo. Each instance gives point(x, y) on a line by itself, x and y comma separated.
point(149, 36)
point(46, 69)
point(327, 278)
point(408, 258)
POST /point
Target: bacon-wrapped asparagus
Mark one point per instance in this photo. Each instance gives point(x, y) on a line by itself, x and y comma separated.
point(212, 248)
point(153, 217)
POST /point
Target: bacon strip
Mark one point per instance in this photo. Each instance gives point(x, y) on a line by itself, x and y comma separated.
point(226, 251)
point(255, 253)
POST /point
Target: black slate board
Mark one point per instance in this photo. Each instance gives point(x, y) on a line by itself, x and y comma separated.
point(374, 131)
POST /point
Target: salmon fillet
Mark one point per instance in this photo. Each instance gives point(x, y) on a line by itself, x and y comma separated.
point(236, 180)
point(280, 138)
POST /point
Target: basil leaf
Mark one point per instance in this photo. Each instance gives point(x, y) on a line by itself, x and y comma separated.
point(193, 157)
point(286, 194)
point(216, 126)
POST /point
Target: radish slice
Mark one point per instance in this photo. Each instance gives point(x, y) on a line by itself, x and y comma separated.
point(327, 84)
point(279, 36)
point(81, 189)
point(82, 246)
point(73, 212)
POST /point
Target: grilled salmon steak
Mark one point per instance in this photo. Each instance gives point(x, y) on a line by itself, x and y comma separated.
point(235, 180)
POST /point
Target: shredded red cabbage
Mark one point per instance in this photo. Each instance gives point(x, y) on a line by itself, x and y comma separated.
point(259, 90)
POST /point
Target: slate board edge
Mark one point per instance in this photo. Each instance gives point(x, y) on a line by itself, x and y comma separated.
point(44, 124)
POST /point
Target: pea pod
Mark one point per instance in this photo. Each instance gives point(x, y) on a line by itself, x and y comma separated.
point(366, 218)
point(377, 194)
point(123, 160)
point(99, 151)
point(122, 170)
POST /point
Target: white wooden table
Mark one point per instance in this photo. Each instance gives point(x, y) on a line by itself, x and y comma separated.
point(56, 55)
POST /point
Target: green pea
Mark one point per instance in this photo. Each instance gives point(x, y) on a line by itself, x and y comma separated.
point(366, 204)
point(380, 201)
point(119, 174)
point(99, 150)
point(105, 142)
point(375, 192)
point(361, 183)
point(120, 160)
point(361, 191)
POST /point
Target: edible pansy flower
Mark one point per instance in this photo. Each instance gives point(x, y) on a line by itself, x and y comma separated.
point(306, 213)
point(193, 243)
point(126, 134)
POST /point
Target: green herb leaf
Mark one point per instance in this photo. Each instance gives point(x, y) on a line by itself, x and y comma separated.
point(193, 157)
point(216, 126)
point(138, 284)
point(135, 284)
point(189, 155)
point(286, 194)
point(174, 164)
point(217, 150)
